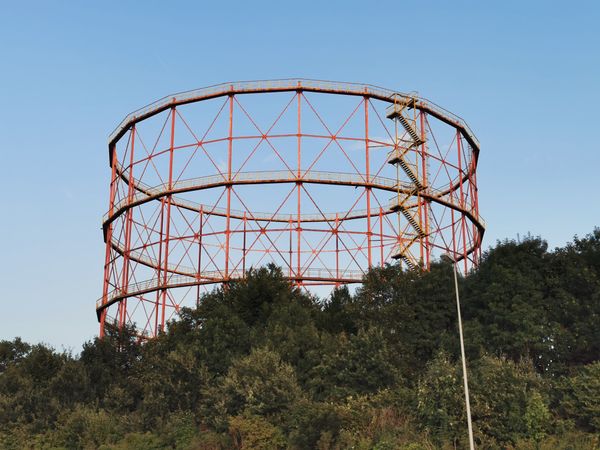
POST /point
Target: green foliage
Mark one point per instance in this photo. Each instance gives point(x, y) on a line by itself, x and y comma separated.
point(180, 430)
point(357, 364)
point(259, 384)
point(109, 363)
point(138, 441)
point(581, 400)
point(440, 399)
point(574, 287)
point(506, 296)
point(12, 352)
point(260, 364)
point(567, 441)
point(254, 432)
point(311, 424)
point(84, 427)
point(537, 417)
point(527, 302)
point(501, 414)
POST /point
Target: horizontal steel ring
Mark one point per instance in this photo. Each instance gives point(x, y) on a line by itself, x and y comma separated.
point(147, 194)
point(213, 277)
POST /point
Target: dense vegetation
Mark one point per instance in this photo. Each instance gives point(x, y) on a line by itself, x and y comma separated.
point(262, 365)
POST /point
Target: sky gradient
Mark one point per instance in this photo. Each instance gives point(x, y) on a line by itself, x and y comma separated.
point(524, 75)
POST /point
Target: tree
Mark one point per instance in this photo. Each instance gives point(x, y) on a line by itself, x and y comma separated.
point(11, 352)
point(356, 364)
point(261, 364)
point(338, 315)
point(507, 401)
point(415, 310)
point(581, 397)
point(109, 363)
point(260, 384)
point(574, 287)
point(537, 417)
point(440, 400)
point(291, 332)
point(507, 297)
point(251, 432)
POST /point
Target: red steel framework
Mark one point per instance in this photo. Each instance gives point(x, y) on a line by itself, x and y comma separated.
point(351, 176)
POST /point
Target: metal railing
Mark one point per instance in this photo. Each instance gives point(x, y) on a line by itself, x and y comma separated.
point(174, 281)
point(145, 191)
point(422, 103)
point(398, 200)
point(242, 87)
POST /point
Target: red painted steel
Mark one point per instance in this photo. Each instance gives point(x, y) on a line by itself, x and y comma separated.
point(319, 160)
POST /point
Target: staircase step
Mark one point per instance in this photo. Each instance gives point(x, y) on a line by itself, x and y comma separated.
point(412, 222)
point(406, 168)
point(410, 130)
point(409, 217)
point(411, 265)
point(396, 113)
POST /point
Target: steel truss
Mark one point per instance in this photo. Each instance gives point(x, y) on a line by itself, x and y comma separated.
point(346, 177)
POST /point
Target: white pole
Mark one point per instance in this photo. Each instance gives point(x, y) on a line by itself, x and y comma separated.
point(464, 361)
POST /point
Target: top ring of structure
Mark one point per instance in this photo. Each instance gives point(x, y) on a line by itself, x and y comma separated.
point(292, 84)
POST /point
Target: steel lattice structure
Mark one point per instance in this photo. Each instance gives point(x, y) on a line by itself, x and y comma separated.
point(347, 176)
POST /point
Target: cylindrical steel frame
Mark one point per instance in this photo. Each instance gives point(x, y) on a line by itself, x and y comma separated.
point(352, 176)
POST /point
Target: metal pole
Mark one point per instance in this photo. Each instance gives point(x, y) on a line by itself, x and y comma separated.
point(464, 361)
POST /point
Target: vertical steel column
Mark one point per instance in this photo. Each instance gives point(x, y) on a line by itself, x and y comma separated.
point(425, 183)
point(159, 265)
point(454, 255)
point(474, 207)
point(476, 200)
point(462, 203)
point(299, 187)
point(244, 249)
point(453, 194)
point(420, 200)
point(368, 188)
point(381, 234)
point(398, 243)
point(200, 231)
point(127, 246)
point(109, 231)
point(291, 225)
point(168, 224)
point(229, 186)
point(337, 247)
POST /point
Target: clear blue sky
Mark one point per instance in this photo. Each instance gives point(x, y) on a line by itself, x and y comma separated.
point(524, 75)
